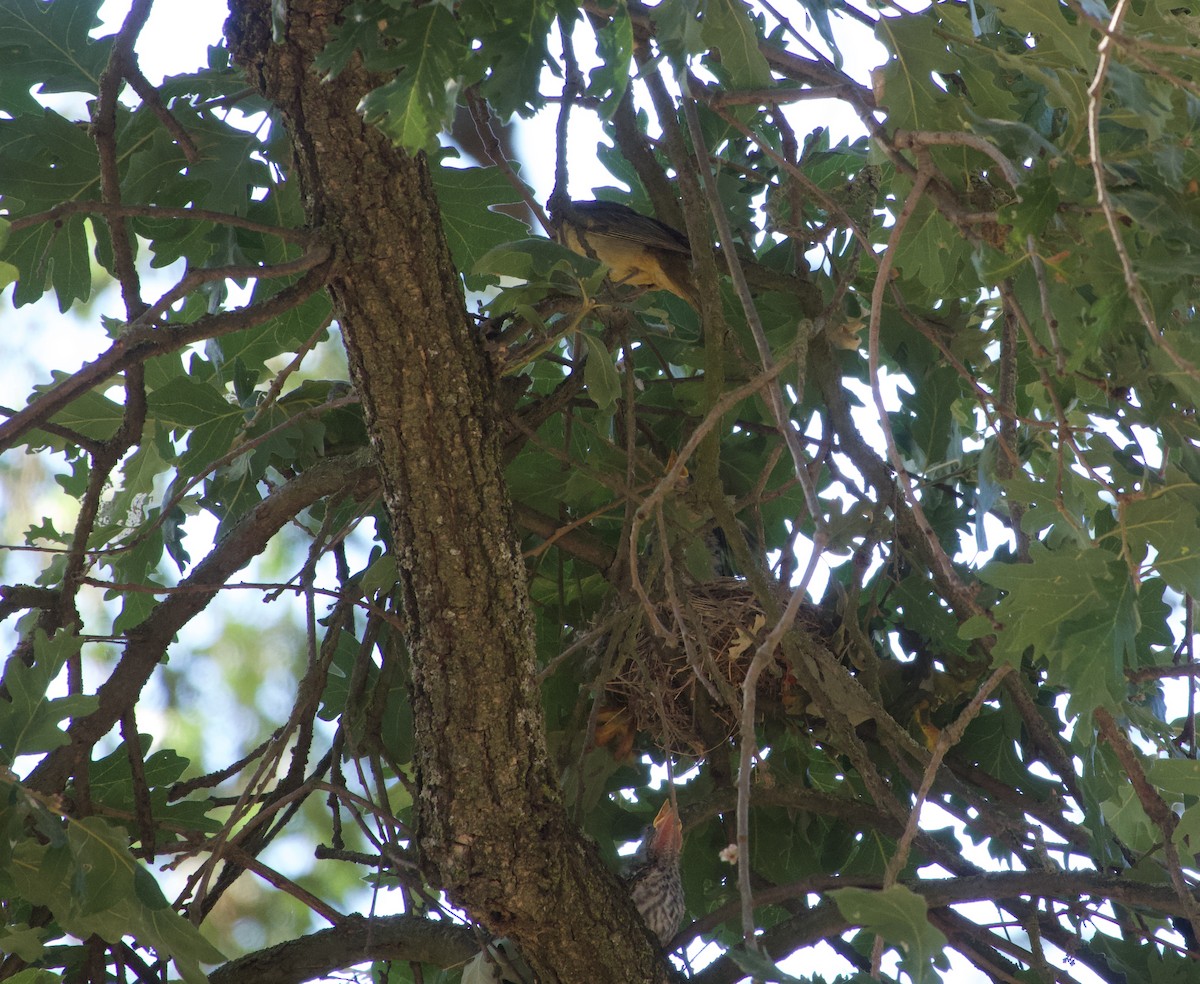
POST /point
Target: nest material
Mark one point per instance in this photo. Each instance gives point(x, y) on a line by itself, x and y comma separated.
point(685, 690)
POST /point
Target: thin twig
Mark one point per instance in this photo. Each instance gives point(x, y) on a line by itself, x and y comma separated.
point(142, 807)
point(674, 472)
point(481, 115)
point(1105, 50)
point(137, 345)
point(104, 133)
point(241, 449)
point(946, 740)
point(912, 139)
point(127, 210)
point(882, 276)
point(150, 96)
point(244, 859)
point(281, 377)
point(572, 86)
point(774, 397)
point(196, 278)
point(685, 632)
point(748, 744)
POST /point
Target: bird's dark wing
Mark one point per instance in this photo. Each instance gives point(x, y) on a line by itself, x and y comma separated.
point(639, 251)
point(622, 222)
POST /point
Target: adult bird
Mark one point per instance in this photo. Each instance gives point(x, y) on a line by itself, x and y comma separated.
point(637, 249)
point(654, 884)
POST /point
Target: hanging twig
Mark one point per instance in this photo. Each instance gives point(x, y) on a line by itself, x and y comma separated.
point(937, 552)
point(1095, 90)
point(946, 740)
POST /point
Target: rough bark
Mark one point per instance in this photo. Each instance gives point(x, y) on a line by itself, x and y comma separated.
point(491, 826)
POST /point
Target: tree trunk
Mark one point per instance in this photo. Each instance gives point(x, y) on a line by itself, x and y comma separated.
point(491, 827)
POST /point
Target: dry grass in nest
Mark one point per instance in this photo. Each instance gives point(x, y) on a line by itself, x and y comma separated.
point(689, 704)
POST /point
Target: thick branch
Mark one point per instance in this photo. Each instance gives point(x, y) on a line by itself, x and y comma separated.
point(356, 940)
point(140, 344)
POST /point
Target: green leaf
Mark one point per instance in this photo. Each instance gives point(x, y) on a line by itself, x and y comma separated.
point(189, 403)
point(1089, 655)
point(26, 942)
point(358, 31)
point(760, 967)
point(199, 407)
point(1135, 961)
point(601, 376)
point(430, 51)
point(543, 265)
point(140, 472)
point(1145, 102)
point(510, 49)
point(527, 259)
point(380, 576)
point(1058, 41)
point(33, 976)
point(1124, 814)
point(93, 414)
point(103, 866)
point(1037, 205)
point(919, 53)
point(869, 856)
point(931, 253)
point(229, 168)
point(47, 46)
point(286, 333)
point(931, 406)
point(991, 741)
point(1061, 63)
point(1169, 521)
point(93, 885)
point(680, 30)
point(1175, 777)
point(466, 197)
point(1076, 608)
point(727, 26)
point(112, 786)
point(29, 719)
point(609, 80)
point(899, 915)
point(46, 160)
point(818, 11)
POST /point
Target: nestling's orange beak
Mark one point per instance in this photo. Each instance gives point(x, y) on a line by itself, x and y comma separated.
point(668, 830)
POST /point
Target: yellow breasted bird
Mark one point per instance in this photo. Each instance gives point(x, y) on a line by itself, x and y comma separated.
point(639, 250)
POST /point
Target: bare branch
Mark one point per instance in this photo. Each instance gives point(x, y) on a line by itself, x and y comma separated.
point(356, 939)
point(142, 343)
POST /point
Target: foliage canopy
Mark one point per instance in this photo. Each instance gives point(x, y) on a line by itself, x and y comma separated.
point(905, 512)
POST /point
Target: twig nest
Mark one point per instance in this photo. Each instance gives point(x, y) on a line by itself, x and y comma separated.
point(685, 689)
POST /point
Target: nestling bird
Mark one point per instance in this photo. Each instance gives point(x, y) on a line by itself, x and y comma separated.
point(654, 881)
point(637, 249)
